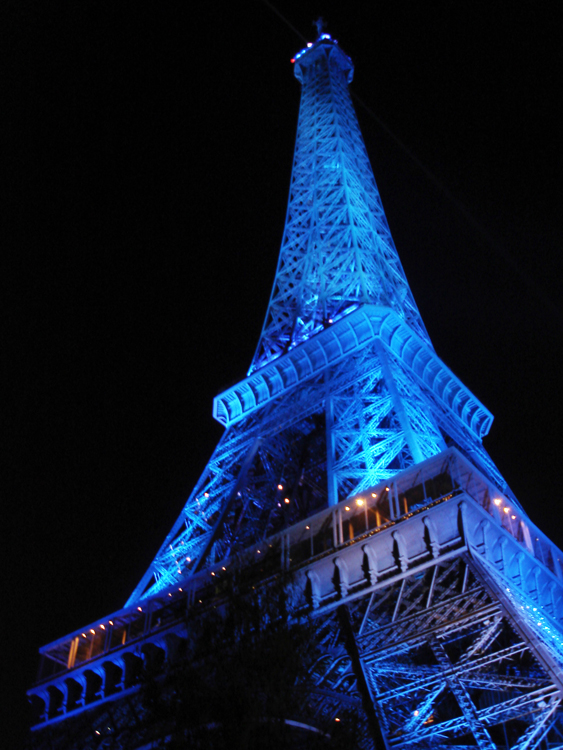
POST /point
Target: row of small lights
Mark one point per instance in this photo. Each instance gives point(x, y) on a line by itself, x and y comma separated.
point(309, 45)
point(360, 502)
point(102, 627)
point(139, 609)
point(539, 618)
point(99, 733)
point(188, 559)
point(213, 573)
point(498, 502)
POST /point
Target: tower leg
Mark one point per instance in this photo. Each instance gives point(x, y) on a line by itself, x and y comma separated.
point(379, 741)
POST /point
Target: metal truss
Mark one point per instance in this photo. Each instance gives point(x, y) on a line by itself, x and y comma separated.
point(356, 424)
point(344, 468)
point(441, 626)
point(345, 388)
point(447, 667)
point(337, 251)
point(351, 426)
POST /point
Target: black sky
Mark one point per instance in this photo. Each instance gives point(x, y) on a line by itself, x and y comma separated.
point(148, 153)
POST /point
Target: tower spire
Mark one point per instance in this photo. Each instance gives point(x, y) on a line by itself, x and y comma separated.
point(321, 25)
point(337, 252)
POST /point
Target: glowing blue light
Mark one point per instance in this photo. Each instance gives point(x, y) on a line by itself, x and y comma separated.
point(540, 620)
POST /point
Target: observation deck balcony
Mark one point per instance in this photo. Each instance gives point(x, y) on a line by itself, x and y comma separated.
point(440, 508)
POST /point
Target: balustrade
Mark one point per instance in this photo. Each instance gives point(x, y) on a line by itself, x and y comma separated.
point(111, 656)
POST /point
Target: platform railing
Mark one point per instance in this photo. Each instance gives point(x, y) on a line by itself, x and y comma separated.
point(361, 516)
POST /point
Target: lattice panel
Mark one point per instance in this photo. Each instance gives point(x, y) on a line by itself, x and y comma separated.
point(337, 250)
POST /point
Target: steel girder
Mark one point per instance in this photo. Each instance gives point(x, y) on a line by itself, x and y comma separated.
point(345, 388)
point(456, 618)
point(337, 251)
point(352, 426)
point(446, 664)
point(442, 618)
point(347, 427)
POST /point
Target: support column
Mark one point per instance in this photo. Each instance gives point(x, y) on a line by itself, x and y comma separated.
point(379, 740)
point(72, 694)
point(332, 484)
point(476, 726)
point(400, 410)
point(218, 528)
point(39, 701)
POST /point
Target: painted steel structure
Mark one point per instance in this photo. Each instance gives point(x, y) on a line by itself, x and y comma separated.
point(352, 459)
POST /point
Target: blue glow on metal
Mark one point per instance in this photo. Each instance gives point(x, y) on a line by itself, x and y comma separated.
point(345, 389)
point(337, 251)
point(538, 622)
point(310, 45)
point(335, 457)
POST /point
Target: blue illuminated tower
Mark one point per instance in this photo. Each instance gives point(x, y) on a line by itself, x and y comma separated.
point(352, 461)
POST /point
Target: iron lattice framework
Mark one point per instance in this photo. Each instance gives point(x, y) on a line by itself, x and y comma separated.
point(351, 469)
point(344, 362)
point(337, 251)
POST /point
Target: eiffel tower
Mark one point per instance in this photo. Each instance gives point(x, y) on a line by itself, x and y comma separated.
point(352, 469)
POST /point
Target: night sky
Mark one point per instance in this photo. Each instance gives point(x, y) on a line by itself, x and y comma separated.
point(147, 156)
